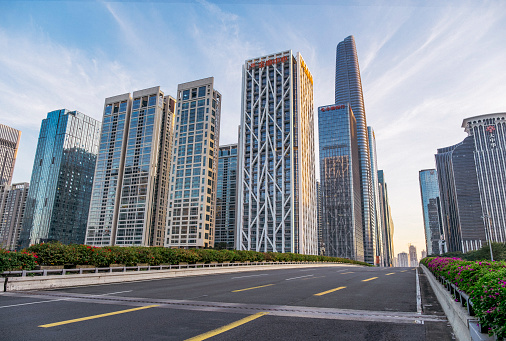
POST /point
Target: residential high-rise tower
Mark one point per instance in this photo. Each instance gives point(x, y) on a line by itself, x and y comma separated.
point(12, 211)
point(9, 143)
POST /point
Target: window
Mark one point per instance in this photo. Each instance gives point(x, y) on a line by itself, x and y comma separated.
point(202, 91)
point(186, 95)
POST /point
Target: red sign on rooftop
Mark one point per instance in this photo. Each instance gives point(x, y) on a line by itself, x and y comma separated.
point(333, 107)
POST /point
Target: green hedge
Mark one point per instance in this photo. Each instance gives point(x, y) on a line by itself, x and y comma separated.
point(483, 281)
point(60, 254)
point(17, 260)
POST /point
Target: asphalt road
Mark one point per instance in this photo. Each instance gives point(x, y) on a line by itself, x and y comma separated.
point(325, 303)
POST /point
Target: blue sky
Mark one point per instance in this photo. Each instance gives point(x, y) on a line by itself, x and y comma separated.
point(426, 65)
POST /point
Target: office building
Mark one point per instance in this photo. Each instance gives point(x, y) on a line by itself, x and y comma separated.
point(432, 221)
point(277, 208)
point(461, 212)
point(193, 177)
point(349, 90)
point(375, 208)
point(131, 187)
point(489, 135)
point(12, 210)
point(402, 260)
point(386, 222)
point(319, 207)
point(424, 254)
point(62, 178)
point(226, 197)
point(340, 183)
point(9, 143)
point(413, 259)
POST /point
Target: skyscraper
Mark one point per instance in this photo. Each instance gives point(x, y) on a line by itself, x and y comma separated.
point(461, 212)
point(319, 205)
point(489, 135)
point(9, 143)
point(340, 183)
point(402, 260)
point(62, 178)
point(277, 183)
point(413, 259)
point(226, 197)
point(376, 211)
point(387, 222)
point(192, 202)
point(131, 187)
point(349, 90)
point(432, 220)
point(12, 210)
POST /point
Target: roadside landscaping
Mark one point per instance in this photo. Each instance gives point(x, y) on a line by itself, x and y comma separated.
point(57, 254)
point(483, 281)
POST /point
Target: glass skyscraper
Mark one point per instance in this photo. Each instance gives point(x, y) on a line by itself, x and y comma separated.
point(12, 211)
point(376, 212)
point(226, 197)
point(131, 187)
point(387, 222)
point(349, 90)
point(62, 177)
point(193, 177)
point(489, 135)
point(431, 208)
point(9, 143)
point(340, 183)
point(277, 183)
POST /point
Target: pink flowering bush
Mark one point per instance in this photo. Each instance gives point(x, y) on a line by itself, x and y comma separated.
point(483, 281)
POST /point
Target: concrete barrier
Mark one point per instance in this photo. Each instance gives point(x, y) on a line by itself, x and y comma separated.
point(63, 281)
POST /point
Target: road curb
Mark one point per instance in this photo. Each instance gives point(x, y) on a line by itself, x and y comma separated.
point(64, 281)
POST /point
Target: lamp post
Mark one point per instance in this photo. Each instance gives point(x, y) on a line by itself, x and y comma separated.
point(486, 231)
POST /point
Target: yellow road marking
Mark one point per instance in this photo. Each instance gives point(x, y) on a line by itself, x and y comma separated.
point(225, 328)
point(369, 279)
point(329, 291)
point(262, 286)
point(404, 270)
point(390, 274)
point(344, 273)
point(95, 316)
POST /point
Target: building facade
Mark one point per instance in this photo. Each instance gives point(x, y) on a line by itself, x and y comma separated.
point(387, 222)
point(62, 178)
point(413, 259)
point(402, 260)
point(12, 211)
point(375, 211)
point(192, 203)
point(340, 183)
point(431, 208)
point(226, 197)
point(9, 143)
point(319, 205)
point(131, 187)
point(461, 213)
point(277, 208)
point(489, 135)
point(349, 90)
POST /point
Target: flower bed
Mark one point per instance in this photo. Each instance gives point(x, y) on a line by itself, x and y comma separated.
point(483, 281)
point(60, 254)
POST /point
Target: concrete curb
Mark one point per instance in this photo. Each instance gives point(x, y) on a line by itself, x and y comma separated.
point(64, 281)
point(464, 326)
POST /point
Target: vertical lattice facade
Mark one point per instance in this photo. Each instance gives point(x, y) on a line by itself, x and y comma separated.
point(349, 90)
point(12, 210)
point(340, 183)
point(129, 201)
point(489, 132)
point(192, 203)
point(62, 178)
point(376, 212)
point(387, 222)
point(9, 143)
point(431, 209)
point(226, 197)
point(277, 184)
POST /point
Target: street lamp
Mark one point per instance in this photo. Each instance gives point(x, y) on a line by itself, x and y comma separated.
point(486, 232)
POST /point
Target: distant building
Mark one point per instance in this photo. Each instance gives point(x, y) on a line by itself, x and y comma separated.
point(193, 177)
point(424, 254)
point(226, 197)
point(277, 208)
point(62, 177)
point(342, 229)
point(431, 208)
point(12, 210)
point(9, 143)
point(402, 260)
point(386, 222)
point(489, 136)
point(461, 212)
point(131, 187)
point(413, 259)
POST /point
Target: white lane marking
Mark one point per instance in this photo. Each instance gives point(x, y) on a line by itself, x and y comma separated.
point(289, 279)
point(62, 299)
point(250, 276)
point(418, 295)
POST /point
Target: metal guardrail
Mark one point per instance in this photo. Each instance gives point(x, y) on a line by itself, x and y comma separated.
point(80, 271)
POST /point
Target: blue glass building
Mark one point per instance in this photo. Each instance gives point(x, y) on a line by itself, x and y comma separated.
point(342, 231)
point(62, 178)
point(431, 207)
point(226, 197)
